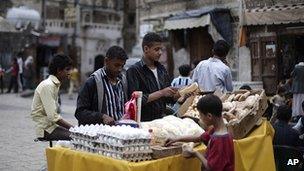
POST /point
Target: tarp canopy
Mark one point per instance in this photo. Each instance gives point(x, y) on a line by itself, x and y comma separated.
point(275, 15)
point(219, 21)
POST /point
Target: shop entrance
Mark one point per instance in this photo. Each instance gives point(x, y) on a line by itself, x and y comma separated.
point(291, 49)
point(264, 62)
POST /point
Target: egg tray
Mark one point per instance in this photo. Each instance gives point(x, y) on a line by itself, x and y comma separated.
point(126, 151)
point(110, 140)
point(85, 148)
point(101, 143)
point(121, 142)
point(130, 159)
point(103, 146)
point(134, 148)
point(83, 137)
point(90, 149)
point(85, 143)
point(129, 156)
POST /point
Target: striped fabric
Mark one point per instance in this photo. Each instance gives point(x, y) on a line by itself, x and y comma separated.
point(114, 97)
point(181, 82)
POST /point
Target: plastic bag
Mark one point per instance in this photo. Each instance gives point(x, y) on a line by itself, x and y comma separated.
point(130, 108)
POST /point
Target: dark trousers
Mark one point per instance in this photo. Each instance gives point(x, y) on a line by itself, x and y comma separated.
point(60, 133)
point(13, 83)
point(1, 83)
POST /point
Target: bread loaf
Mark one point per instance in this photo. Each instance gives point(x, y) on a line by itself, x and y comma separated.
point(244, 96)
point(190, 89)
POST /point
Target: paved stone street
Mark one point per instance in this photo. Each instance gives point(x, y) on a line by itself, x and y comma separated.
point(18, 151)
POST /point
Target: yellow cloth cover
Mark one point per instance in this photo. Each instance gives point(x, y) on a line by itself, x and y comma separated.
point(254, 153)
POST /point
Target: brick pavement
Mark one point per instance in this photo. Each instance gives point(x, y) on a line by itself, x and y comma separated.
point(18, 151)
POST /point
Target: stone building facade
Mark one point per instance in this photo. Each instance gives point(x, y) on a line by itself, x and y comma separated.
point(82, 29)
point(188, 44)
point(273, 33)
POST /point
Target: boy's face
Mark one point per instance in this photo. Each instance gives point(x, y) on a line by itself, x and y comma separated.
point(64, 73)
point(154, 51)
point(206, 118)
point(114, 66)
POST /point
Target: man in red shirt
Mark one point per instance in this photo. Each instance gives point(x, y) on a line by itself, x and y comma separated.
point(219, 155)
point(14, 70)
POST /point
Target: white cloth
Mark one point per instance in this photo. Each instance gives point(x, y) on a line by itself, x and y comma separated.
point(156, 76)
point(212, 74)
point(20, 64)
point(297, 100)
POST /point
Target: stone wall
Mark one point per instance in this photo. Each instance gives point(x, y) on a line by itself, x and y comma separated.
point(155, 10)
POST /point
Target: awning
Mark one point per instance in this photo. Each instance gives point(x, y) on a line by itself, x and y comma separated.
point(275, 15)
point(187, 23)
point(51, 40)
point(218, 22)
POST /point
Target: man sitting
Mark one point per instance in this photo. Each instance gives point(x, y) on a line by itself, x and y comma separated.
point(49, 124)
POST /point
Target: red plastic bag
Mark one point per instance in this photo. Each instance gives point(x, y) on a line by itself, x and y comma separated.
point(130, 108)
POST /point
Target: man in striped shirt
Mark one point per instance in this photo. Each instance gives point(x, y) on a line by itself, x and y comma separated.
point(102, 97)
point(184, 78)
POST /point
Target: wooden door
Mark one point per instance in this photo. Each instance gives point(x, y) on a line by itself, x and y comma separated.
point(269, 63)
point(256, 62)
point(264, 62)
point(200, 43)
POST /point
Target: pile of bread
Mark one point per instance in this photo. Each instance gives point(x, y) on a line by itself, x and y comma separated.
point(192, 110)
point(239, 104)
point(235, 105)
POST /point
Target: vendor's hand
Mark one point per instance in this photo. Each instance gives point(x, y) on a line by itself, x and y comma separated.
point(185, 97)
point(169, 142)
point(107, 120)
point(189, 153)
point(176, 96)
point(168, 91)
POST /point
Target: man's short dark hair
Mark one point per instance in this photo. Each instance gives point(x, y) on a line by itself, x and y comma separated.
point(245, 87)
point(59, 62)
point(116, 52)
point(151, 38)
point(221, 48)
point(210, 104)
point(284, 113)
point(184, 70)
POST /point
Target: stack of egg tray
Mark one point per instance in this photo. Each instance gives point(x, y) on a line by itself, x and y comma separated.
point(133, 150)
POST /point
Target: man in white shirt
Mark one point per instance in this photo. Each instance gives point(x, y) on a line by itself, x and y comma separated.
point(213, 74)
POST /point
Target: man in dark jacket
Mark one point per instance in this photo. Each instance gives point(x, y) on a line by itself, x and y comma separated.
point(102, 97)
point(151, 77)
